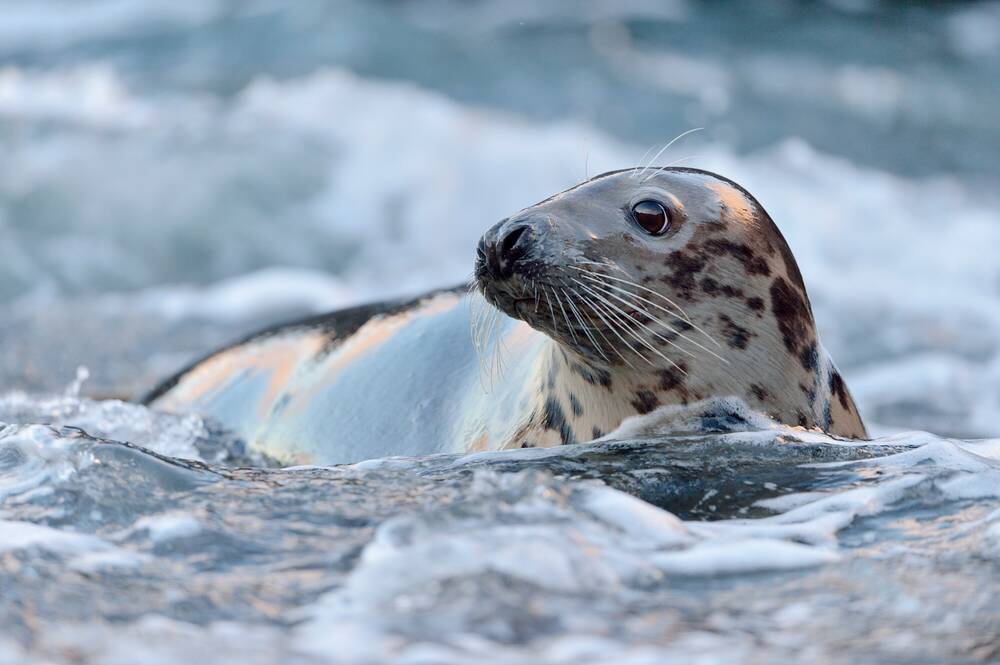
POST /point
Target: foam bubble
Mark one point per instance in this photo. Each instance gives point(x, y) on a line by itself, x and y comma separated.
point(23, 535)
point(170, 526)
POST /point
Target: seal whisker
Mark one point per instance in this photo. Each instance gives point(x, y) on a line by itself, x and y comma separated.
point(583, 326)
point(483, 328)
point(500, 347)
point(666, 166)
point(569, 325)
point(676, 162)
point(601, 279)
point(683, 315)
point(598, 277)
point(615, 325)
point(606, 264)
point(484, 335)
point(476, 309)
point(479, 341)
point(643, 159)
point(548, 301)
point(627, 329)
point(620, 315)
point(647, 314)
point(590, 307)
point(495, 349)
point(595, 307)
point(638, 337)
point(664, 149)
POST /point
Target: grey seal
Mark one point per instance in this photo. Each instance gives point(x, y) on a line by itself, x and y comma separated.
point(634, 289)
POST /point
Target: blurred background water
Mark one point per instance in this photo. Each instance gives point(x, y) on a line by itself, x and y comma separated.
point(176, 173)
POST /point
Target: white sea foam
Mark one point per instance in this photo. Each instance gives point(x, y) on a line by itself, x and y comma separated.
point(170, 526)
point(90, 95)
point(731, 414)
point(52, 25)
point(814, 522)
point(636, 517)
point(36, 456)
point(113, 559)
point(742, 556)
point(247, 296)
point(111, 419)
point(590, 540)
point(22, 535)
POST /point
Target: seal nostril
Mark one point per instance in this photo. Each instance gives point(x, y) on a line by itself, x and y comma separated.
point(510, 247)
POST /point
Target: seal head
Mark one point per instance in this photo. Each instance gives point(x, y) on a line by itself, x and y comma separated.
point(668, 285)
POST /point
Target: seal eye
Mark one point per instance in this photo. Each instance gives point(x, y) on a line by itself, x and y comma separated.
point(652, 217)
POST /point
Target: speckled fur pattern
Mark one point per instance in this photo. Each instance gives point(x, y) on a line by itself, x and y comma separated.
point(714, 307)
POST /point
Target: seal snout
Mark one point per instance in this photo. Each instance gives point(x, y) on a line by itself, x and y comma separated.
point(505, 246)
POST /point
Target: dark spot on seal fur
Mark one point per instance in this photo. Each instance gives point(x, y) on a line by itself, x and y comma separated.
point(792, 314)
point(553, 374)
point(645, 401)
point(756, 303)
point(575, 406)
point(596, 433)
point(713, 227)
point(684, 267)
point(791, 267)
point(669, 335)
point(810, 393)
point(759, 392)
point(752, 263)
point(673, 379)
point(838, 388)
point(809, 357)
point(670, 379)
point(737, 336)
point(527, 444)
point(593, 376)
point(555, 419)
point(803, 420)
point(713, 288)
